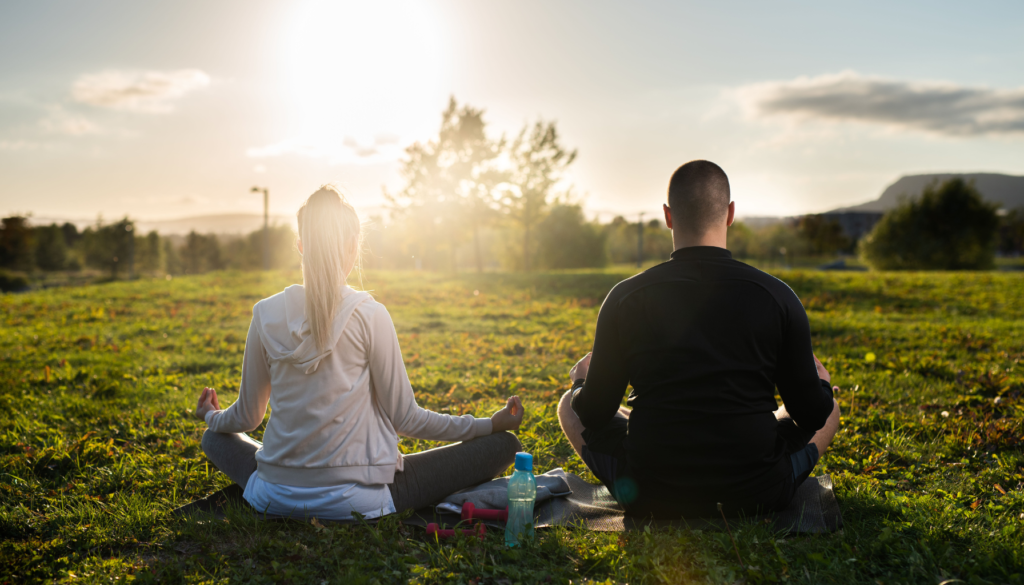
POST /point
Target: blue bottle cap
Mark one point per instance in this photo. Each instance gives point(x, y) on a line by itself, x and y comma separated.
point(524, 462)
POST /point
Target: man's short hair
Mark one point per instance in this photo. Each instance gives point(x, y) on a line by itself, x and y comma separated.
point(698, 196)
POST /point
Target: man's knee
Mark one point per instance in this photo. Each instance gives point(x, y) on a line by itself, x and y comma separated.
point(565, 405)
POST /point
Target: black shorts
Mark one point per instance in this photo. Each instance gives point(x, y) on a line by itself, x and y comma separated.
point(605, 454)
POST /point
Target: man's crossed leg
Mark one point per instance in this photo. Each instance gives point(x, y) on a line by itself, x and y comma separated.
point(605, 459)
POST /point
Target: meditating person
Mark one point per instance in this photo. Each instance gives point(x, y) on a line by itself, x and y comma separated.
point(326, 359)
point(705, 341)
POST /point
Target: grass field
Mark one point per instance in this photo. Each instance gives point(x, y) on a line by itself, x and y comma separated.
point(97, 443)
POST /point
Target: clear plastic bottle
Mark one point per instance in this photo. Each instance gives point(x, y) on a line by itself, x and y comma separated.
point(522, 494)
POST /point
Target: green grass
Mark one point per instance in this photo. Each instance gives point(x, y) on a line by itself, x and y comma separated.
point(97, 443)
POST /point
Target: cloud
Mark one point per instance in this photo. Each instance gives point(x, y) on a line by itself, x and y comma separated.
point(348, 150)
point(59, 121)
point(137, 91)
point(386, 138)
point(16, 145)
point(359, 149)
point(935, 107)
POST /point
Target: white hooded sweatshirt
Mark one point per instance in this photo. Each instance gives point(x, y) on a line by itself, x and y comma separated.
point(335, 415)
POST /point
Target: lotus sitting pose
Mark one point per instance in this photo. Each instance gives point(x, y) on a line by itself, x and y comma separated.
point(326, 358)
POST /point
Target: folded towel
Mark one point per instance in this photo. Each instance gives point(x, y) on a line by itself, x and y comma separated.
point(493, 495)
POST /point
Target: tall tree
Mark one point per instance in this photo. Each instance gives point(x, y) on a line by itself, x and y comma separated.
point(201, 253)
point(537, 163)
point(16, 244)
point(111, 246)
point(449, 182)
point(50, 249)
point(823, 235)
point(148, 253)
point(1011, 232)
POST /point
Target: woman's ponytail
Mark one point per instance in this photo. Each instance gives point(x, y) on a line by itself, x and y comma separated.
point(330, 234)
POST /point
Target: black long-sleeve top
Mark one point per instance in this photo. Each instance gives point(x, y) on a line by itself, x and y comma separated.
point(705, 341)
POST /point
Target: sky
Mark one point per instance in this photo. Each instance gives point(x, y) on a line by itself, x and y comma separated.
point(160, 110)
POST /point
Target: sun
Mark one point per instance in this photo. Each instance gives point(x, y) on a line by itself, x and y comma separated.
point(363, 76)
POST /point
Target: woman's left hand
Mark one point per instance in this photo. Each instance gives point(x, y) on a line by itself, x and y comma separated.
point(207, 402)
point(508, 418)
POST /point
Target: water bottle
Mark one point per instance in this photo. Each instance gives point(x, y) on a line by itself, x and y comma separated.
point(522, 493)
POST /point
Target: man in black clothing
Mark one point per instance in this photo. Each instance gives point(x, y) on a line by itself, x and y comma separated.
point(705, 341)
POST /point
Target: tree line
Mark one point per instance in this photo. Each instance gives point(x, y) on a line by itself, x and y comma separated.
point(115, 250)
point(948, 227)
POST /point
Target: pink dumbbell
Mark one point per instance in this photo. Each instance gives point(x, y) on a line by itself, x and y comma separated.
point(469, 512)
point(479, 531)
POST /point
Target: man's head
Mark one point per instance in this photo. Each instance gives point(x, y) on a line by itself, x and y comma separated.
point(699, 203)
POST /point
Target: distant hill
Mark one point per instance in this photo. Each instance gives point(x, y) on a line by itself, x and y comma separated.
point(1007, 190)
point(222, 224)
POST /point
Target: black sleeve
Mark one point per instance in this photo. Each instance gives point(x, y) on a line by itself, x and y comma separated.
point(599, 398)
point(808, 399)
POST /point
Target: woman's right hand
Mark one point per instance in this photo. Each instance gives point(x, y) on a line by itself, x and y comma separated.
point(207, 402)
point(508, 418)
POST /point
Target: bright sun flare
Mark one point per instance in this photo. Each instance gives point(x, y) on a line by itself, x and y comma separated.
point(363, 77)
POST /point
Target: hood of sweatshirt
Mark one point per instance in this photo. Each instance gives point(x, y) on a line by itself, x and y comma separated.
point(284, 329)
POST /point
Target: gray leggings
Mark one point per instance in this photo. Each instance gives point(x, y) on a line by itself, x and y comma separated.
point(428, 476)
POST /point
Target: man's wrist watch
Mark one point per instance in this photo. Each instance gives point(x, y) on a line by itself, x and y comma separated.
point(577, 385)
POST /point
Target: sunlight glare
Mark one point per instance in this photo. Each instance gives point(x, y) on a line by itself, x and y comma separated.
point(364, 79)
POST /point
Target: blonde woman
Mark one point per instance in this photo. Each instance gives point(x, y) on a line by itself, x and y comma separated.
point(326, 359)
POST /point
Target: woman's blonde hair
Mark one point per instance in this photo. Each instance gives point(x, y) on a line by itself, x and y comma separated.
point(330, 234)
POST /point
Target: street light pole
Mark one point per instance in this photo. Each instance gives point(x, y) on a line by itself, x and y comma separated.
point(266, 225)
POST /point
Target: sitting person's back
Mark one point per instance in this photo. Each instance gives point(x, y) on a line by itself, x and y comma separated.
point(704, 340)
point(326, 359)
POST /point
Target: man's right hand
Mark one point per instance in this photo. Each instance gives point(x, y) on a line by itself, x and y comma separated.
point(579, 371)
point(822, 372)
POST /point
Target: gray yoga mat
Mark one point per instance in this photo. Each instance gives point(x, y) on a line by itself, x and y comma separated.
point(814, 510)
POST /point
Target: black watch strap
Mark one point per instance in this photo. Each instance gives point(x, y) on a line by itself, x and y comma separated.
point(577, 385)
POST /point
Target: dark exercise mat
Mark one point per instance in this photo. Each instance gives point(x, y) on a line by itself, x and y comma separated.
point(814, 510)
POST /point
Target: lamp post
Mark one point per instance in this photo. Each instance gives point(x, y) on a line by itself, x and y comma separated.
point(266, 222)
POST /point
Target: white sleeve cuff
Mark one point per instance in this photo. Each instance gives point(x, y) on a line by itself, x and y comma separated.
point(482, 427)
point(209, 414)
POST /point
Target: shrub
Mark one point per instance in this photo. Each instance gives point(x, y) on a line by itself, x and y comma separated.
point(567, 240)
point(949, 227)
point(13, 281)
